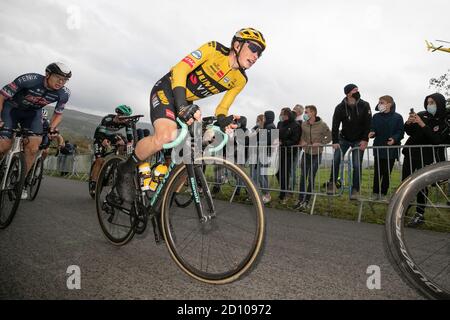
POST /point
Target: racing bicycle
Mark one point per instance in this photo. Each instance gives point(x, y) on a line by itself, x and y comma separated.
point(212, 239)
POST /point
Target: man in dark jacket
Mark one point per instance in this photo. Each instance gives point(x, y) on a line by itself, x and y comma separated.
point(355, 116)
point(266, 140)
point(387, 129)
point(290, 133)
point(424, 128)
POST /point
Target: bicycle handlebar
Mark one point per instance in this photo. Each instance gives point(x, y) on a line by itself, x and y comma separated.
point(224, 140)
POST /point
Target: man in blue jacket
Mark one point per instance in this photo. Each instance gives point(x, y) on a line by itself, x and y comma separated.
point(387, 129)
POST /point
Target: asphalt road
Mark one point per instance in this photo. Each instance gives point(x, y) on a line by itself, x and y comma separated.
point(306, 257)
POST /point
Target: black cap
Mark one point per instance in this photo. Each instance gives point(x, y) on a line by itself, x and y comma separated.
point(349, 88)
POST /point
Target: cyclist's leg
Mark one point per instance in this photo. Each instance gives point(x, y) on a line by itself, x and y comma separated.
point(9, 123)
point(32, 120)
point(99, 160)
point(31, 149)
point(162, 114)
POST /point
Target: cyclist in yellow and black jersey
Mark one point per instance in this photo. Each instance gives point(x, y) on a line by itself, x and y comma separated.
point(209, 70)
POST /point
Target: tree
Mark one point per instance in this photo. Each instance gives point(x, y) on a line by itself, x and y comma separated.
point(442, 83)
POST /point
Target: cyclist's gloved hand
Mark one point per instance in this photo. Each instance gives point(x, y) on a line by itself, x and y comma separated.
point(224, 121)
point(186, 113)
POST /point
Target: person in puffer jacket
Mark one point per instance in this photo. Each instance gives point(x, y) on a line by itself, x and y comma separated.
point(387, 129)
point(424, 128)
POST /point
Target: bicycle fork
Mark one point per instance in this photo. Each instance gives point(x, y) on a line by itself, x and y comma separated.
point(194, 173)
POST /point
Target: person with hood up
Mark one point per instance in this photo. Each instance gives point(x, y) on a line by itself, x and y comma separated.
point(424, 128)
point(387, 129)
point(290, 133)
point(355, 116)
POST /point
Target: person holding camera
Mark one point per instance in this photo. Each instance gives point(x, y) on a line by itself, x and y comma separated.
point(424, 128)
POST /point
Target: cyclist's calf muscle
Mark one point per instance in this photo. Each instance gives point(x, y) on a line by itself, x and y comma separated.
point(5, 145)
point(165, 132)
point(31, 149)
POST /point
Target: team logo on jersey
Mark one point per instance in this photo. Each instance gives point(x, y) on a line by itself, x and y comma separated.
point(162, 97)
point(170, 114)
point(226, 80)
point(436, 129)
point(155, 101)
point(189, 61)
point(220, 73)
point(194, 79)
point(197, 54)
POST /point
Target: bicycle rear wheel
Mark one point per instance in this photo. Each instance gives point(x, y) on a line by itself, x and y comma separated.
point(36, 179)
point(227, 246)
point(11, 193)
point(117, 225)
point(422, 254)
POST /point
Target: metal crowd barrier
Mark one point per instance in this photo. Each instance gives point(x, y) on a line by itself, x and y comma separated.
point(373, 164)
point(282, 170)
point(70, 166)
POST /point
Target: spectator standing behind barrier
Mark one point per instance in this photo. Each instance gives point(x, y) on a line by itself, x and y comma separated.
point(289, 132)
point(424, 128)
point(315, 133)
point(65, 158)
point(387, 129)
point(266, 141)
point(254, 160)
point(299, 110)
point(355, 116)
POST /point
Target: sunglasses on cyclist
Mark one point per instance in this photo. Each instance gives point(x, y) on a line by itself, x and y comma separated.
point(255, 48)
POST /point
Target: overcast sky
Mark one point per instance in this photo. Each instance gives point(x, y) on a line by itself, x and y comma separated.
point(117, 50)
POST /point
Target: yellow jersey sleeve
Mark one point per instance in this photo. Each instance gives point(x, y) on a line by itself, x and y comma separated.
point(181, 70)
point(228, 100)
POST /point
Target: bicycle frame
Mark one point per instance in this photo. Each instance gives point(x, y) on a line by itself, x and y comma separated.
point(194, 172)
point(16, 147)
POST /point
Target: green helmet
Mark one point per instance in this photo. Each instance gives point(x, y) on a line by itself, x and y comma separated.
point(124, 110)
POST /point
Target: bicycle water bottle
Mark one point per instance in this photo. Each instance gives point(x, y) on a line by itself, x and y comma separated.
point(157, 176)
point(145, 175)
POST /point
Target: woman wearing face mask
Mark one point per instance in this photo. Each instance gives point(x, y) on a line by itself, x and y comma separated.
point(424, 128)
point(387, 129)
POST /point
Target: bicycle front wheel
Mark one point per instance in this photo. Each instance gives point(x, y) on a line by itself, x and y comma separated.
point(116, 224)
point(11, 191)
point(418, 230)
point(229, 244)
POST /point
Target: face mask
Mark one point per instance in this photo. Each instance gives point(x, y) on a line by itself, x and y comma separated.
point(281, 118)
point(306, 117)
point(356, 95)
point(381, 108)
point(432, 109)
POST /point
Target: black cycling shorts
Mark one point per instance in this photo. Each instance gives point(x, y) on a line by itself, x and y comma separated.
point(99, 150)
point(162, 101)
point(28, 119)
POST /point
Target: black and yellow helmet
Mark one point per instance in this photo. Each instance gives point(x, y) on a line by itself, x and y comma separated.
point(250, 34)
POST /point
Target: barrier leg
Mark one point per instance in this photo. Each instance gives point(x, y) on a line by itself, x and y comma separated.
point(313, 204)
point(361, 205)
